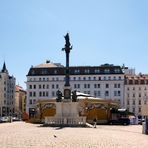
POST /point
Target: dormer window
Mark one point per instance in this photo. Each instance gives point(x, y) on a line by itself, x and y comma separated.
point(44, 72)
point(97, 70)
point(77, 71)
point(55, 71)
point(117, 70)
point(86, 71)
point(33, 72)
point(106, 71)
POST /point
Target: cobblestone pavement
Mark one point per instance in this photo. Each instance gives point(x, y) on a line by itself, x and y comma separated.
point(25, 135)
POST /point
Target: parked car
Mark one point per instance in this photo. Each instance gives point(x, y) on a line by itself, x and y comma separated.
point(140, 121)
point(15, 119)
point(120, 121)
point(4, 119)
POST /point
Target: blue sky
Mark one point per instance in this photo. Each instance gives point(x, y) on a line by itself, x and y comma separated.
point(101, 31)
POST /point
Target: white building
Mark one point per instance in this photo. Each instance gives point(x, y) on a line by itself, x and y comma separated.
point(105, 81)
point(136, 92)
point(7, 92)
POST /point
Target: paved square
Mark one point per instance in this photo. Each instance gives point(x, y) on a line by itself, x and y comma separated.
point(25, 135)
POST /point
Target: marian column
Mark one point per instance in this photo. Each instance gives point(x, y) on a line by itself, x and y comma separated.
point(67, 48)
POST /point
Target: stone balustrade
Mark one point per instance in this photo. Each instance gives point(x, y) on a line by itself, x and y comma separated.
point(73, 121)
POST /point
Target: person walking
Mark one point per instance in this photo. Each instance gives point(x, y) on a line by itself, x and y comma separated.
point(95, 122)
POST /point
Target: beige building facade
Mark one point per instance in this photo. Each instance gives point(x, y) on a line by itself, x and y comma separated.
point(136, 93)
point(20, 101)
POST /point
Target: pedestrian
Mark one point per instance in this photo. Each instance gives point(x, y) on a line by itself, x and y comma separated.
point(95, 122)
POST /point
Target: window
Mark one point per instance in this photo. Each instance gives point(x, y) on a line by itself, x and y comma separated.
point(115, 85)
point(94, 78)
point(52, 86)
point(127, 88)
point(130, 81)
point(84, 78)
point(107, 85)
point(75, 85)
point(106, 93)
point(96, 93)
point(30, 101)
point(57, 79)
point(118, 85)
point(77, 71)
point(43, 94)
point(40, 94)
point(86, 85)
point(119, 78)
point(96, 85)
point(86, 71)
point(99, 78)
point(133, 110)
point(139, 102)
point(97, 71)
point(39, 86)
point(30, 86)
point(133, 88)
point(119, 93)
point(47, 86)
point(136, 81)
point(139, 109)
point(133, 102)
point(133, 95)
point(34, 94)
point(139, 95)
point(46, 93)
point(89, 78)
point(74, 78)
point(117, 70)
point(53, 93)
point(104, 78)
point(115, 93)
point(30, 94)
point(142, 82)
point(55, 71)
point(34, 86)
point(34, 101)
point(106, 71)
point(43, 86)
point(57, 86)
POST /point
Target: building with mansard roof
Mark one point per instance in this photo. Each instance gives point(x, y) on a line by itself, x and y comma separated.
point(104, 81)
point(136, 92)
point(7, 92)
